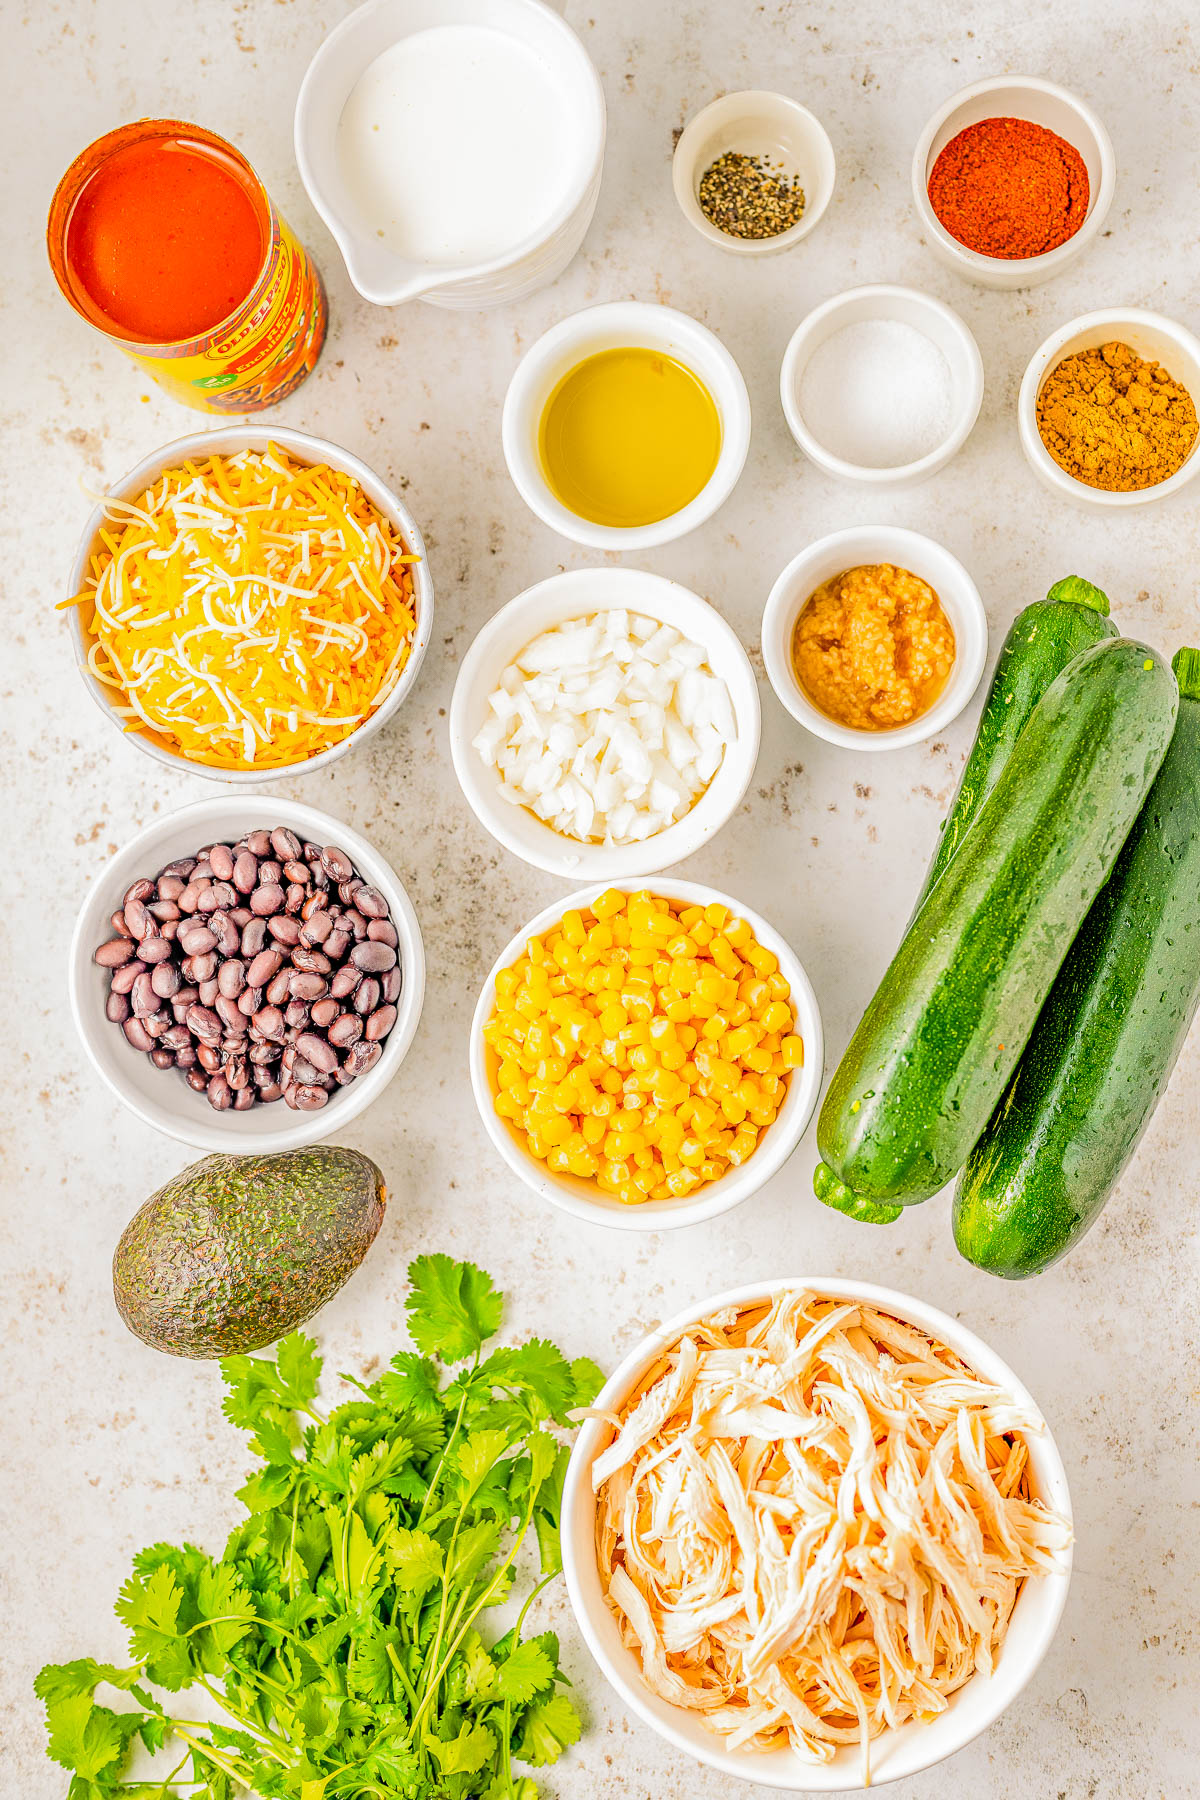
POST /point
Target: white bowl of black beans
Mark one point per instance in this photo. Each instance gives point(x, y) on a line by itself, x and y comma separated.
point(247, 974)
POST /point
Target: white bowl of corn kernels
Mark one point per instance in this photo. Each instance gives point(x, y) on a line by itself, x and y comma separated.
point(697, 1085)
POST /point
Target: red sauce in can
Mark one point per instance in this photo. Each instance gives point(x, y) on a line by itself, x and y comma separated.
point(165, 239)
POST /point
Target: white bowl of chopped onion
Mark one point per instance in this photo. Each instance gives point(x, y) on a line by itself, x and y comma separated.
point(783, 1437)
point(254, 692)
point(605, 723)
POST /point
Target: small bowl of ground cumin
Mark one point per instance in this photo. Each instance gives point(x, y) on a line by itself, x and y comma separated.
point(1012, 178)
point(1107, 411)
point(874, 638)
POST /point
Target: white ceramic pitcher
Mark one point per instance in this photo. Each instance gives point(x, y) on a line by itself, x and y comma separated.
point(379, 273)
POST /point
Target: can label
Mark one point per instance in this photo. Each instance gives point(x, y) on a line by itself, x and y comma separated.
point(255, 359)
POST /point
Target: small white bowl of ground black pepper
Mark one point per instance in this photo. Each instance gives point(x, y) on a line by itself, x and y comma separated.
point(754, 172)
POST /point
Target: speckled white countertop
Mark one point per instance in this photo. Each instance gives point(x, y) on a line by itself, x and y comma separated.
point(107, 1445)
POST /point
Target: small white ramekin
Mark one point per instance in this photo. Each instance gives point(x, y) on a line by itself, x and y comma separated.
point(906, 306)
point(895, 1754)
point(1044, 103)
point(847, 550)
point(228, 441)
point(582, 1198)
point(758, 123)
point(1152, 336)
point(161, 1097)
point(552, 603)
point(379, 274)
point(620, 324)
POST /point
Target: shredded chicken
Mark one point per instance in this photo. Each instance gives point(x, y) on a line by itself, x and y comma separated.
point(813, 1522)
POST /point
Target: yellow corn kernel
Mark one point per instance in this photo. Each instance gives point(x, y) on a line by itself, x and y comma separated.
point(672, 1056)
point(679, 1011)
point(779, 985)
point(583, 1164)
point(733, 1108)
point(777, 1016)
point(554, 1131)
point(715, 1028)
point(509, 1107)
point(759, 1060)
point(646, 1180)
point(792, 1052)
point(679, 1183)
point(739, 1012)
point(691, 1153)
point(711, 1171)
point(593, 1130)
point(739, 934)
point(605, 905)
point(738, 1041)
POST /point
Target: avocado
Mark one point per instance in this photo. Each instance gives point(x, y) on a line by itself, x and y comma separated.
point(235, 1251)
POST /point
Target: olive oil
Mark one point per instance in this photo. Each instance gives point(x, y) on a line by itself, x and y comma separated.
point(629, 436)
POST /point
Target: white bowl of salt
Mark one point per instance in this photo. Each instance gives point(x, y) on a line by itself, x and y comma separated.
point(881, 385)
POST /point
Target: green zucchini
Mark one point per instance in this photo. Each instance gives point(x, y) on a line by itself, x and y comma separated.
point(1107, 1038)
point(937, 1044)
point(1041, 642)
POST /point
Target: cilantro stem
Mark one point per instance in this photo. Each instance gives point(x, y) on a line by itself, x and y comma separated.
point(210, 1751)
point(507, 1715)
point(446, 1448)
point(405, 1683)
point(266, 1737)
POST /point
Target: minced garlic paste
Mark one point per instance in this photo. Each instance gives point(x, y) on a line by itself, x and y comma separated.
point(872, 647)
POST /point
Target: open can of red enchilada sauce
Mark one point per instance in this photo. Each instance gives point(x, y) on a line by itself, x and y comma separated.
point(163, 237)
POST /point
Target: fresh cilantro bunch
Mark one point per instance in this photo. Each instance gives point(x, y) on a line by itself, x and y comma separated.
point(338, 1636)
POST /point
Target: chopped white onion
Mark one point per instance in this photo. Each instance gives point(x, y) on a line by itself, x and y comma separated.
point(608, 727)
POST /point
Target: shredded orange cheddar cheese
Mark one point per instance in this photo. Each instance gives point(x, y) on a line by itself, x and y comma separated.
point(250, 610)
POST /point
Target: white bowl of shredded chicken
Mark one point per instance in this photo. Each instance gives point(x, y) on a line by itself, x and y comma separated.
point(247, 604)
point(816, 1534)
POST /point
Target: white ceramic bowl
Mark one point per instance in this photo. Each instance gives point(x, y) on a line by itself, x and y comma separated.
point(379, 274)
point(562, 348)
point(554, 602)
point(907, 306)
point(161, 1097)
point(758, 123)
point(847, 550)
point(228, 441)
point(1015, 97)
point(1152, 336)
point(583, 1199)
point(896, 1753)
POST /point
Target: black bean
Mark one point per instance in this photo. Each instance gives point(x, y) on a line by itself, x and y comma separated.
point(136, 1033)
point(141, 889)
point(237, 1072)
point(111, 955)
point(230, 1015)
point(295, 1014)
point(166, 980)
point(355, 923)
point(221, 860)
point(254, 936)
point(362, 1056)
point(314, 962)
point(266, 964)
point(203, 1023)
point(162, 1059)
point(189, 899)
point(309, 1098)
point(269, 1090)
point(245, 871)
point(269, 1021)
point(264, 1053)
point(163, 910)
point(391, 983)
point(207, 901)
point(259, 843)
point(284, 930)
point(143, 996)
point(279, 988)
point(267, 899)
point(117, 1008)
point(348, 889)
point(380, 1023)
point(336, 863)
point(155, 950)
point(169, 886)
point(196, 1078)
point(269, 873)
point(208, 1057)
point(197, 939)
point(315, 1050)
point(305, 986)
point(382, 931)
point(296, 872)
point(177, 1038)
point(123, 978)
point(367, 996)
point(373, 958)
point(185, 1058)
point(220, 1094)
point(294, 899)
point(285, 843)
point(117, 922)
point(204, 967)
point(249, 1001)
point(208, 992)
point(337, 943)
point(324, 1013)
point(231, 977)
point(181, 868)
point(243, 1099)
point(370, 901)
point(316, 928)
point(344, 982)
point(346, 1030)
point(229, 938)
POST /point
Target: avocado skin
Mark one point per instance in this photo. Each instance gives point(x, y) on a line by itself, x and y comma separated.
point(235, 1251)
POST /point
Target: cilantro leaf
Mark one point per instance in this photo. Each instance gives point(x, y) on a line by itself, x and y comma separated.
point(150, 1608)
point(416, 1559)
point(547, 1729)
point(91, 1740)
point(528, 1671)
point(466, 1754)
point(411, 1385)
point(299, 1369)
point(452, 1307)
point(62, 1681)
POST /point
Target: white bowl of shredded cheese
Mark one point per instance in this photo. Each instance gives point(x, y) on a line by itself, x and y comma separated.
point(605, 723)
point(810, 1455)
point(266, 660)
